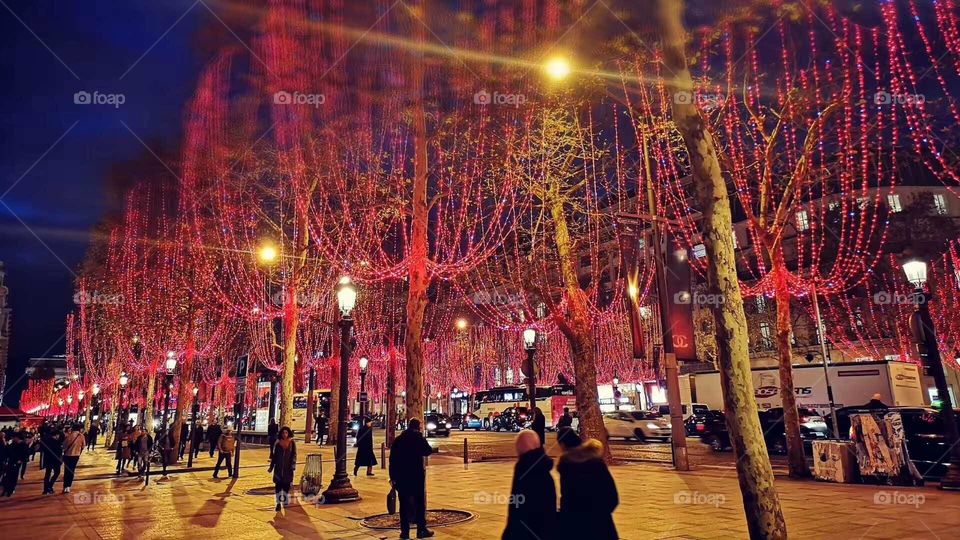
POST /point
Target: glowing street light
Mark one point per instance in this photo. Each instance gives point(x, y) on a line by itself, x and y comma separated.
point(461, 324)
point(557, 68)
point(916, 271)
point(346, 296)
point(267, 254)
point(171, 362)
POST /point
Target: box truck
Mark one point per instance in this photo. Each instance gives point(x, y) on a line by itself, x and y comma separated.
point(898, 383)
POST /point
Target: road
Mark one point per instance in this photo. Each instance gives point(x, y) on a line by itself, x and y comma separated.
point(488, 445)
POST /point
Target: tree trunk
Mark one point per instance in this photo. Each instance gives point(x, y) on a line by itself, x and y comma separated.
point(578, 330)
point(185, 393)
point(791, 420)
point(417, 279)
point(391, 404)
point(291, 322)
point(148, 405)
point(212, 408)
point(761, 502)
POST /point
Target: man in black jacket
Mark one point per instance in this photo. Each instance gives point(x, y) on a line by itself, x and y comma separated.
point(52, 449)
point(408, 476)
point(532, 510)
point(213, 437)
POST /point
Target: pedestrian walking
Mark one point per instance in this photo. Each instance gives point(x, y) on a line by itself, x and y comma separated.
point(73, 445)
point(184, 433)
point(225, 446)
point(408, 476)
point(52, 460)
point(213, 437)
point(539, 425)
point(272, 430)
point(196, 440)
point(588, 494)
point(283, 462)
point(323, 428)
point(365, 456)
point(92, 437)
point(124, 450)
point(143, 446)
point(532, 507)
point(16, 454)
point(166, 448)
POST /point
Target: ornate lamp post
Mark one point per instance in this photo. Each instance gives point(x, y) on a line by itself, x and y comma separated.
point(340, 489)
point(530, 344)
point(925, 337)
point(124, 379)
point(364, 361)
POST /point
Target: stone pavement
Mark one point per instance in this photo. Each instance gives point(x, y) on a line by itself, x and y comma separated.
point(656, 502)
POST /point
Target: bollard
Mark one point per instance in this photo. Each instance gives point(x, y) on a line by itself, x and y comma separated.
point(383, 455)
point(466, 459)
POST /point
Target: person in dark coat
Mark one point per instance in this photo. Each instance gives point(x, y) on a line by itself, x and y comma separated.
point(195, 441)
point(876, 403)
point(272, 431)
point(165, 441)
point(184, 433)
point(323, 428)
point(365, 456)
point(92, 437)
point(213, 437)
point(565, 419)
point(17, 454)
point(532, 510)
point(283, 462)
point(539, 424)
point(52, 449)
point(588, 494)
point(408, 476)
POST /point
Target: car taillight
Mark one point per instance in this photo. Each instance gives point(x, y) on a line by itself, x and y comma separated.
point(523, 416)
point(701, 427)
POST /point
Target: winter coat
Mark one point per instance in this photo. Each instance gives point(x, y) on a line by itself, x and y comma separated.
point(227, 443)
point(406, 461)
point(532, 510)
point(588, 495)
point(539, 425)
point(283, 461)
point(74, 443)
point(52, 449)
point(365, 455)
point(214, 433)
point(197, 436)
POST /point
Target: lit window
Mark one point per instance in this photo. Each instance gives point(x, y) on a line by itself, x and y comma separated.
point(893, 201)
point(803, 220)
point(766, 336)
point(735, 243)
point(699, 251)
point(761, 303)
point(940, 203)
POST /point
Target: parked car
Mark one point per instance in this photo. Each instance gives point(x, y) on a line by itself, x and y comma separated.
point(465, 421)
point(511, 419)
point(812, 427)
point(353, 425)
point(640, 425)
point(924, 431)
point(436, 425)
point(686, 410)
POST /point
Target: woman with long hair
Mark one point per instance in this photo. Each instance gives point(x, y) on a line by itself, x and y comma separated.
point(283, 462)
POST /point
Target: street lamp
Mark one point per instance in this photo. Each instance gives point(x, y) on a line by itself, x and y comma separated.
point(557, 68)
point(364, 361)
point(124, 379)
point(616, 392)
point(530, 344)
point(267, 254)
point(925, 337)
point(171, 365)
point(461, 324)
point(340, 489)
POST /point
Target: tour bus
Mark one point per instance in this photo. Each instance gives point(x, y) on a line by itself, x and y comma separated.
point(550, 399)
point(299, 421)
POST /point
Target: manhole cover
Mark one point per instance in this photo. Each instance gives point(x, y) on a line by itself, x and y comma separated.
point(435, 518)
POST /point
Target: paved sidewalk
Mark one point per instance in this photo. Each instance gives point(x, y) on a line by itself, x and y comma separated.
point(656, 502)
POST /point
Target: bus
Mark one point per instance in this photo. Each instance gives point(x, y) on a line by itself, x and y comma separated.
point(299, 421)
point(550, 399)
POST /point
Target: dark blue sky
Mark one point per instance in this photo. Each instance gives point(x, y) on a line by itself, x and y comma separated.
point(56, 155)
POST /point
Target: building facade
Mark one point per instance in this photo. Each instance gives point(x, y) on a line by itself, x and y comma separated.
point(5, 325)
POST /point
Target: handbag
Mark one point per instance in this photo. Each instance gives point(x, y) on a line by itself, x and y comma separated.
point(392, 501)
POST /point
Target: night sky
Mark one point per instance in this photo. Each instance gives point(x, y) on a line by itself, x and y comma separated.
point(59, 160)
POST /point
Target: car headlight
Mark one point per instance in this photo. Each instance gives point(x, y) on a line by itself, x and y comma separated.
point(431, 425)
point(449, 424)
point(652, 426)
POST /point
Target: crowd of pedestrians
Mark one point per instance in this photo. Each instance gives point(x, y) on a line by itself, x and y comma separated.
point(59, 446)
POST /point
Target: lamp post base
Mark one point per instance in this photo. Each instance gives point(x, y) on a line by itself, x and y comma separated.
point(340, 491)
point(951, 481)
